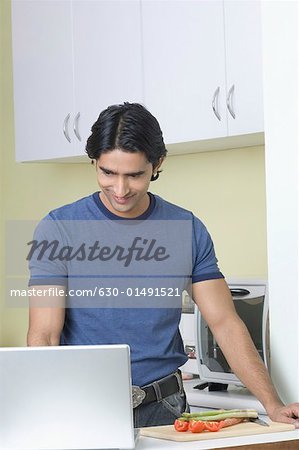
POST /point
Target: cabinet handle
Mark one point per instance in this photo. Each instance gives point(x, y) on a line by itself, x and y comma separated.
point(65, 127)
point(229, 101)
point(215, 103)
point(76, 129)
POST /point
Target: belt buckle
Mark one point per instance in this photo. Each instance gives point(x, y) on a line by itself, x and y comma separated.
point(138, 395)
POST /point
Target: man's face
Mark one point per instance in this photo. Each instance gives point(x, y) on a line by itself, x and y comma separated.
point(124, 179)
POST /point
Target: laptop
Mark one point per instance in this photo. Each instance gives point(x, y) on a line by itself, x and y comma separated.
point(67, 397)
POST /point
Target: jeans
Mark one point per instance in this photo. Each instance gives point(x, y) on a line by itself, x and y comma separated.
point(163, 412)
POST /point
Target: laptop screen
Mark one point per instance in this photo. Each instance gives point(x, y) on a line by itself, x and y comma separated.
point(66, 397)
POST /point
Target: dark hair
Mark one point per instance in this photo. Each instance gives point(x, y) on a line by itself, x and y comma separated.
point(129, 127)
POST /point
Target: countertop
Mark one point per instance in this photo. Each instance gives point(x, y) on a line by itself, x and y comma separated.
point(233, 397)
point(145, 443)
point(287, 437)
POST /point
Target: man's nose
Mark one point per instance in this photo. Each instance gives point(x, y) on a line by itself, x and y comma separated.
point(121, 187)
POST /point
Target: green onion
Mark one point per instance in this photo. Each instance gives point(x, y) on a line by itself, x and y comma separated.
point(220, 414)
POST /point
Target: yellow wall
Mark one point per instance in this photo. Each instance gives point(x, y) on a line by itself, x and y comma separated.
point(225, 189)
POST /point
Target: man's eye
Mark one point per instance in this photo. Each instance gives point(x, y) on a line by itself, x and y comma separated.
point(106, 172)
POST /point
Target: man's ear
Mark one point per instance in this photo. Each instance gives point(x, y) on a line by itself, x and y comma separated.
point(159, 163)
point(156, 170)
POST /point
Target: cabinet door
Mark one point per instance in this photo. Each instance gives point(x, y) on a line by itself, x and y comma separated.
point(107, 58)
point(244, 65)
point(43, 78)
point(184, 64)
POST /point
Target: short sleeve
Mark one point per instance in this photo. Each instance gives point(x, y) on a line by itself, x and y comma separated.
point(205, 264)
point(44, 265)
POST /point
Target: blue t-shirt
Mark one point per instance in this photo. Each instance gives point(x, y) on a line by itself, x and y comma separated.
point(144, 309)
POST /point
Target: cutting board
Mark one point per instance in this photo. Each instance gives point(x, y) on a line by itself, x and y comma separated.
point(241, 429)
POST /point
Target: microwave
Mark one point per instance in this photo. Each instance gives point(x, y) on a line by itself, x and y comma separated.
point(205, 356)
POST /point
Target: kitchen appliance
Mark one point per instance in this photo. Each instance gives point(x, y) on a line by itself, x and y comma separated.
point(205, 357)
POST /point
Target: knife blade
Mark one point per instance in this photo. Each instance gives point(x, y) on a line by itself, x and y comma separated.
point(259, 421)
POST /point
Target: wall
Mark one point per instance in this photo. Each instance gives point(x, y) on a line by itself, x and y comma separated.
point(225, 189)
point(281, 81)
point(3, 77)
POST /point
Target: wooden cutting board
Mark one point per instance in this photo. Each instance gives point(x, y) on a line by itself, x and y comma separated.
point(241, 429)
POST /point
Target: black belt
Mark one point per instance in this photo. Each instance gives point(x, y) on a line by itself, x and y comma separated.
point(157, 390)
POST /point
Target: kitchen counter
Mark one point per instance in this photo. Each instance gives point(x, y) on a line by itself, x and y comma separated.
point(287, 440)
point(233, 397)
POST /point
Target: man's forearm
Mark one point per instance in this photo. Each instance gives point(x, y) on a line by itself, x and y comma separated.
point(246, 363)
point(216, 305)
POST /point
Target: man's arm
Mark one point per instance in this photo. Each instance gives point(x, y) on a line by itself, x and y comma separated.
point(215, 303)
point(46, 317)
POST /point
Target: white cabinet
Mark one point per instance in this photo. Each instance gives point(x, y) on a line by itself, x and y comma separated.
point(183, 48)
point(71, 60)
point(43, 78)
point(243, 48)
point(202, 67)
point(107, 57)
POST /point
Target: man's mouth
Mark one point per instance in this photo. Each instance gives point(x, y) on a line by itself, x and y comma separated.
point(122, 200)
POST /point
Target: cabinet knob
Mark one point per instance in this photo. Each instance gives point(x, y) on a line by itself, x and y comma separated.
point(229, 101)
point(65, 127)
point(215, 103)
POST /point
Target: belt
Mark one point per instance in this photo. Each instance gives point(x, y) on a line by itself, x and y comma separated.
point(157, 390)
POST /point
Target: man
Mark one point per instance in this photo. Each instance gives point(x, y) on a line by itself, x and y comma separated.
point(127, 148)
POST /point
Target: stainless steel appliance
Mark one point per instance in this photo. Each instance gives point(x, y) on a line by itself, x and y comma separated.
point(205, 357)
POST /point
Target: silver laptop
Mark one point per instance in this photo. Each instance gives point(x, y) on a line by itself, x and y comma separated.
point(68, 397)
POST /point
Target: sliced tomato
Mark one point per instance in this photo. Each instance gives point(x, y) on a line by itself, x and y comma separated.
point(214, 426)
point(196, 426)
point(181, 425)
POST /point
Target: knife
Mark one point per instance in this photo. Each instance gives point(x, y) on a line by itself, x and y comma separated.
point(259, 421)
